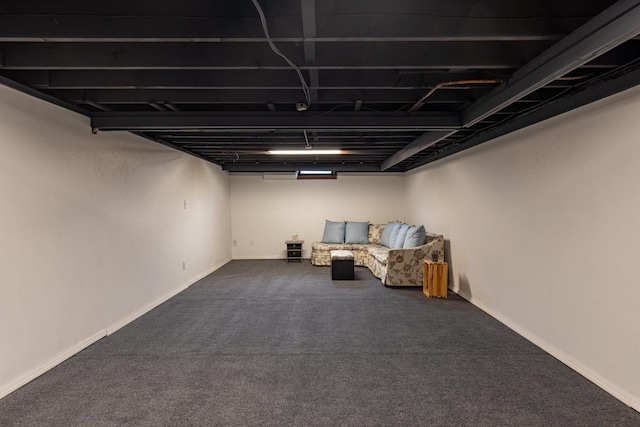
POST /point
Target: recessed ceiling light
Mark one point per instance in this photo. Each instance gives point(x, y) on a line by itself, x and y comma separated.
point(315, 172)
point(304, 152)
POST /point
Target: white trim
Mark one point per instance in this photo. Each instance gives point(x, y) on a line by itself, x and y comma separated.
point(258, 257)
point(245, 257)
point(588, 373)
point(147, 308)
point(52, 363)
point(55, 361)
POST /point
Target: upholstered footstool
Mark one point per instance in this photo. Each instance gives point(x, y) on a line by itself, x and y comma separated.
point(342, 265)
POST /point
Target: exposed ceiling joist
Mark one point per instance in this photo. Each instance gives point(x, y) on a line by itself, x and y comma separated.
point(97, 105)
point(424, 141)
point(586, 96)
point(258, 56)
point(339, 28)
point(235, 80)
point(219, 88)
point(213, 138)
point(179, 120)
point(309, 31)
point(380, 151)
point(258, 96)
point(309, 28)
point(293, 167)
point(604, 32)
point(175, 147)
point(157, 106)
point(171, 107)
point(607, 30)
point(41, 95)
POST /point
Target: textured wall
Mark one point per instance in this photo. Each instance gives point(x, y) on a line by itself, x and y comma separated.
point(544, 234)
point(268, 212)
point(93, 229)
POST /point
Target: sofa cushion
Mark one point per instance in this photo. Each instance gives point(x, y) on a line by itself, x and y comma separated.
point(358, 246)
point(356, 232)
point(386, 233)
point(342, 255)
point(321, 246)
point(402, 233)
point(333, 232)
point(416, 236)
point(375, 231)
point(380, 253)
point(393, 234)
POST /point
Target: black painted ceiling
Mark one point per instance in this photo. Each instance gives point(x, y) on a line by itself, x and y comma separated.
point(200, 76)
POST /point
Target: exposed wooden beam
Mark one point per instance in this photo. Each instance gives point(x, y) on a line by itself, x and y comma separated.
point(41, 95)
point(257, 96)
point(347, 121)
point(609, 29)
point(233, 79)
point(394, 140)
point(612, 27)
point(171, 107)
point(258, 56)
point(157, 106)
point(585, 96)
point(292, 167)
point(309, 31)
point(424, 141)
point(361, 28)
point(309, 28)
point(175, 147)
point(97, 106)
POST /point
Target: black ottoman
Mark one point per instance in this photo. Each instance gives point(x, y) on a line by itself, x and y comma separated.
point(342, 265)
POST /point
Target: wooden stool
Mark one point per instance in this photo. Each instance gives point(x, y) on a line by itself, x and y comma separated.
point(434, 279)
point(342, 265)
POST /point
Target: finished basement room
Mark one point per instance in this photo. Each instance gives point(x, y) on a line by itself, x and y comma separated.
point(319, 213)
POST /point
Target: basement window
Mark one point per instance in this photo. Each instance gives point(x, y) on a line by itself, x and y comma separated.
point(316, 175)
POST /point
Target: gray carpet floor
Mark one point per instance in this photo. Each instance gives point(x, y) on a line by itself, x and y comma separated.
point(271, 343)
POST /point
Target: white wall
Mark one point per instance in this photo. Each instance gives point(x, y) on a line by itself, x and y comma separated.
point(268, 212)
point(544, 226)
point(93, 231)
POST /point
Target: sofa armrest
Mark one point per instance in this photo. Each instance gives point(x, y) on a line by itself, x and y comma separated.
point(404, 266)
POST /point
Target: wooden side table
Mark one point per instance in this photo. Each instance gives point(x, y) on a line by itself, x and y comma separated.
point(434, 280)
point(294, 250)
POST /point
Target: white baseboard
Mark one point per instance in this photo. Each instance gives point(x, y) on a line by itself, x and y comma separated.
point(209, 271)
point(258, 257)
point(265, 257)
point(52, 363)
point(55, 361)
point(147, 308)
point(563, 357)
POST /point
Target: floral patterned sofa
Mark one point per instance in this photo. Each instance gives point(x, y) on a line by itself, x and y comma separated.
point(394, 267)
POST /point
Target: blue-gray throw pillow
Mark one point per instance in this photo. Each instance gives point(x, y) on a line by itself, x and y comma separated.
point(386, 233)
point(416, 236)
point(402, 233)
point(356, 232)
point(333, 232)
point(394, 233)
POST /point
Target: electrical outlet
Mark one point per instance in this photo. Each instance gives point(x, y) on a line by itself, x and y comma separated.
point(234, 242)
point(184, 266)
point(251, 242)
point(185, 203)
